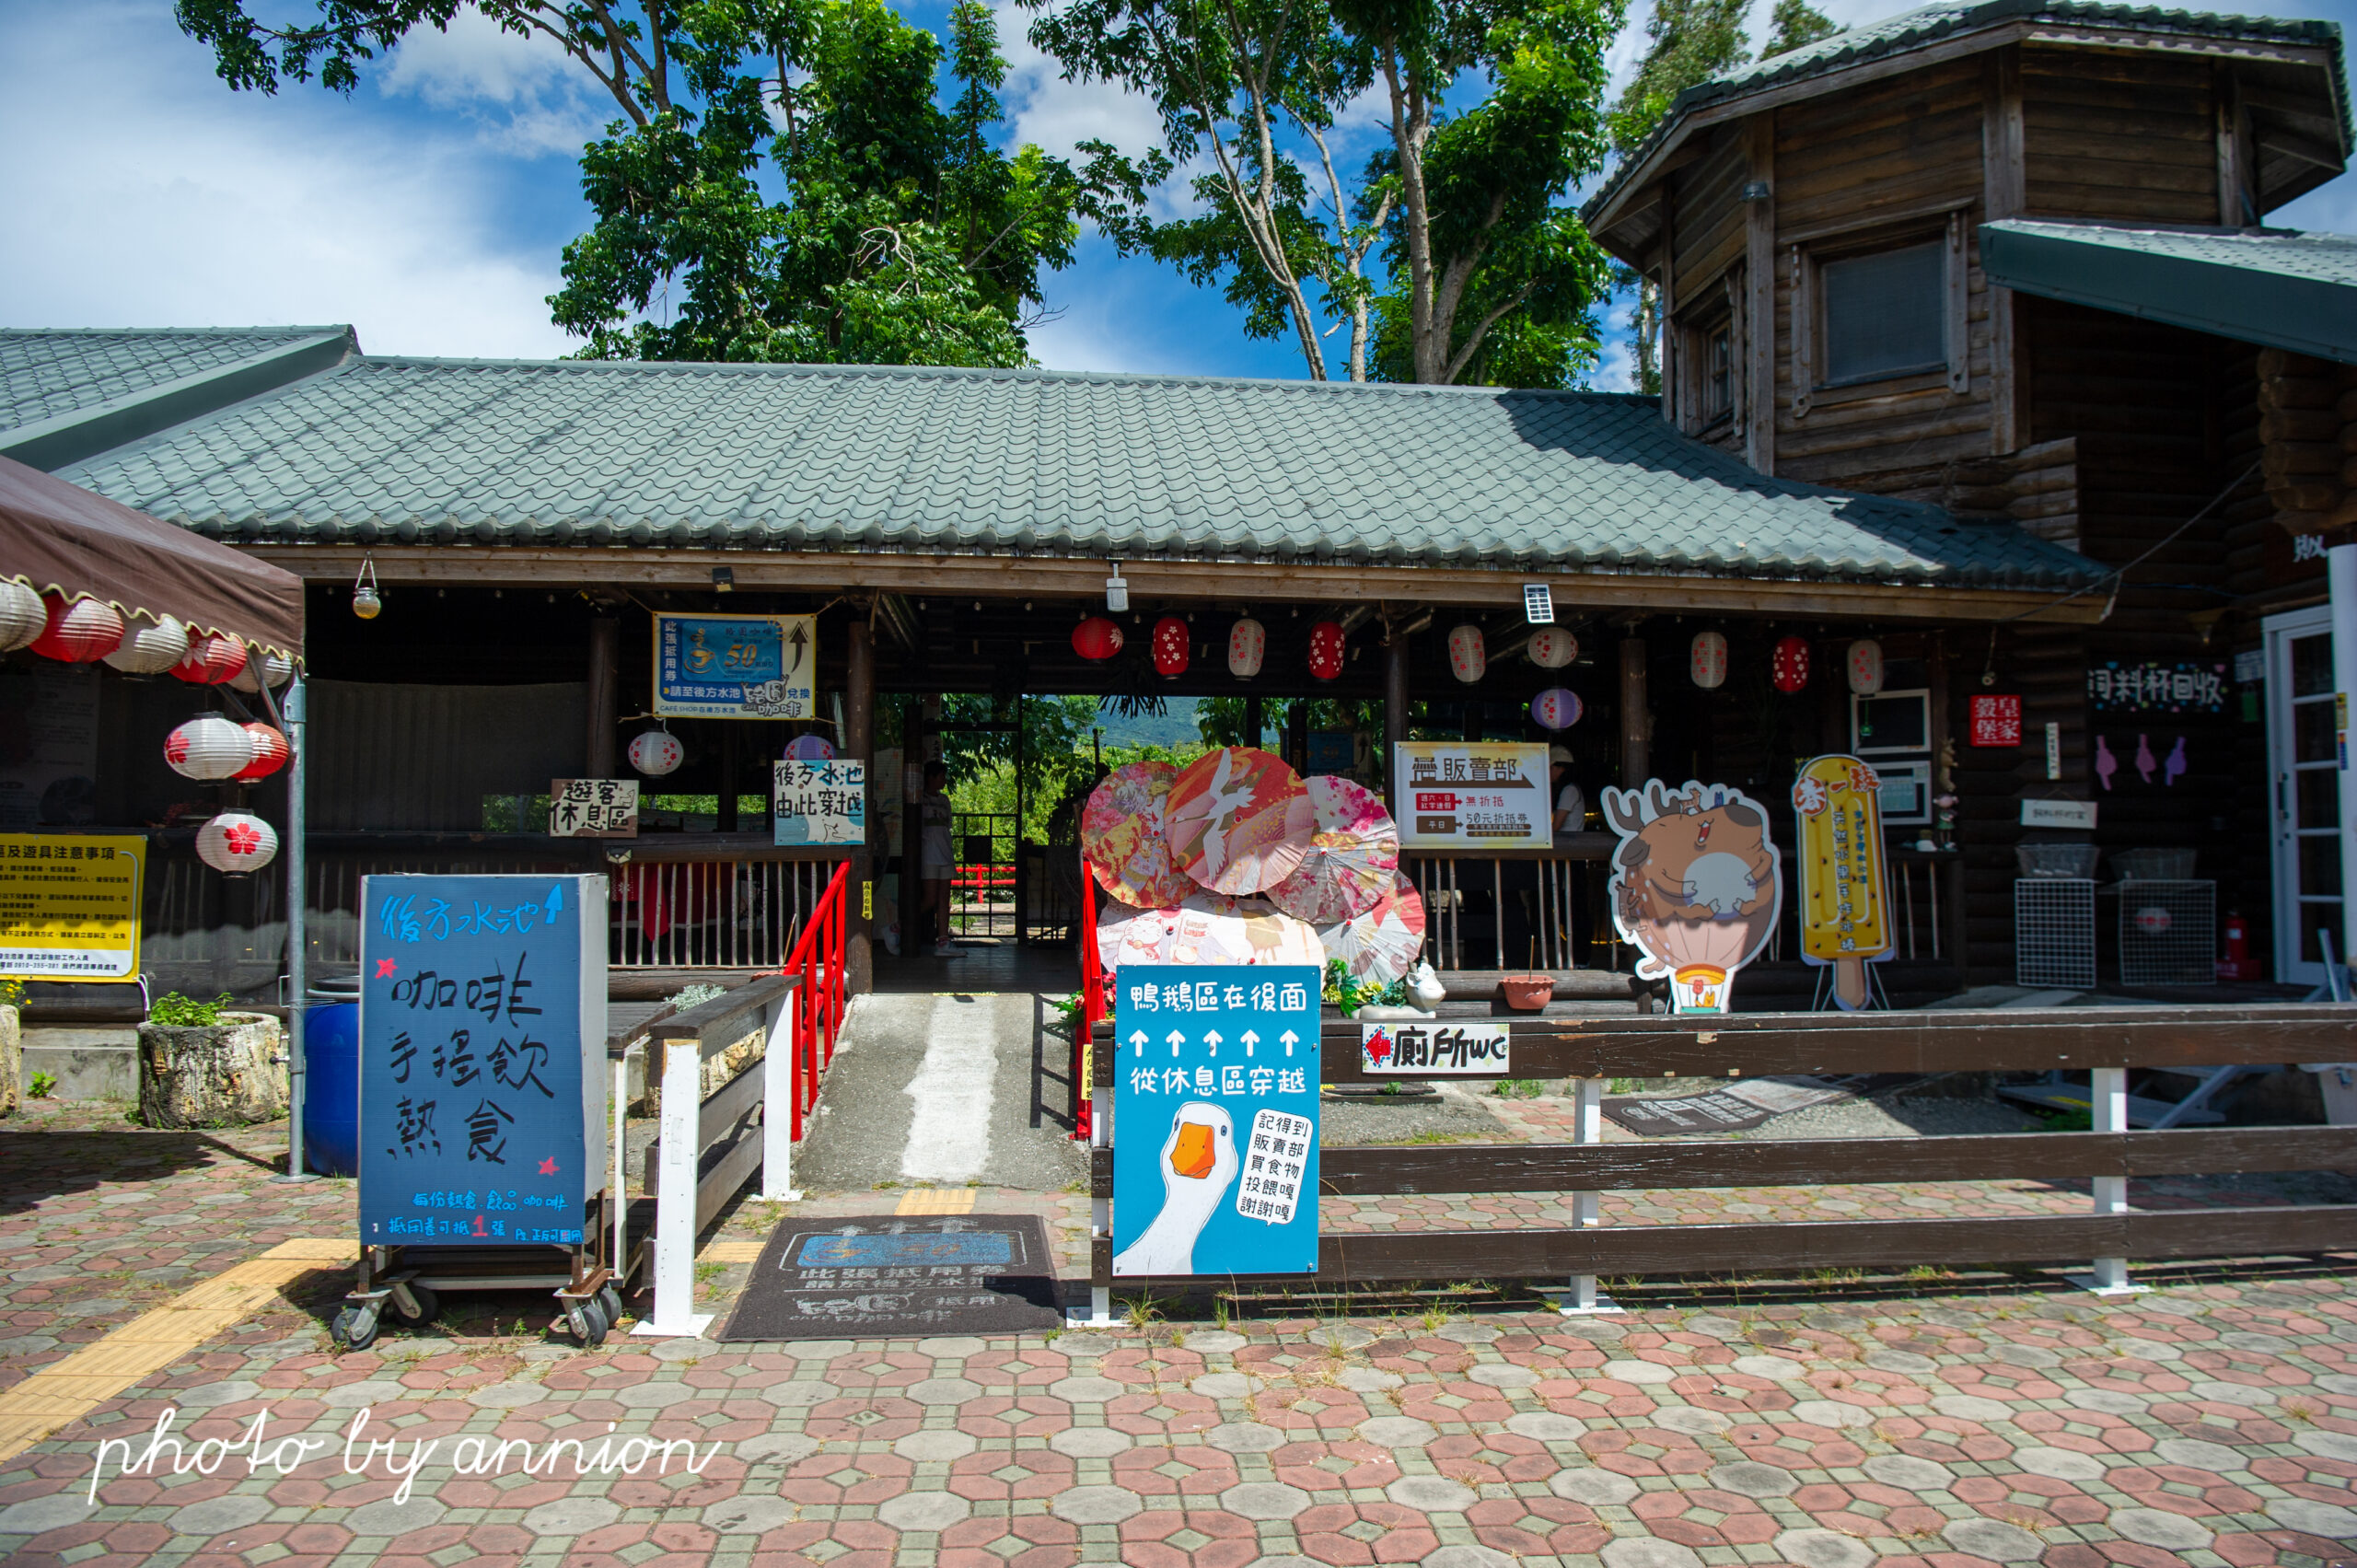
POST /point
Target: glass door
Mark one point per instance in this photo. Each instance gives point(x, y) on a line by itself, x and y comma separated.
point(2306, 787)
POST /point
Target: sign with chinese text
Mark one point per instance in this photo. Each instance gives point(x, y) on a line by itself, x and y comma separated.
point(736, 667)
point(69, 906)
point(2154, 686)
point(2074, 814)
point(593, 808)
point(1215, 1121)
point(1844, 919)
point(1995, 721)
point(819, 803)
point(1472, 794)
point(482, 1058)
point(1436, 1051)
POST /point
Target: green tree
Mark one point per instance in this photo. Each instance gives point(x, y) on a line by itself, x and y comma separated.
point(902, 236)
point(1795, 24)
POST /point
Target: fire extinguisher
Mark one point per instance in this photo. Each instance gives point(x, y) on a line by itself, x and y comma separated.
point(2237, 964)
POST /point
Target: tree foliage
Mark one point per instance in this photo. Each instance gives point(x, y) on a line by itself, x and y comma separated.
point(1795, 24)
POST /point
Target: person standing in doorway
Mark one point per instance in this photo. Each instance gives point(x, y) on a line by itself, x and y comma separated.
point(1571, 801)
point(936, 857)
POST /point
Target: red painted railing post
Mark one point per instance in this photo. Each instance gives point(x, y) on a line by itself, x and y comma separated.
point(1092, 1004)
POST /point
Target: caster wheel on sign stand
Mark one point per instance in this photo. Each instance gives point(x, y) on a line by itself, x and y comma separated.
point(610, 1299)
point(429, 1307)
point(354, 1328)
point(587, 1324)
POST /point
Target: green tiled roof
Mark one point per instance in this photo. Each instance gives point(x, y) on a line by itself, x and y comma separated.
point(783, 457)
point(2276, 287)
point(67, 393)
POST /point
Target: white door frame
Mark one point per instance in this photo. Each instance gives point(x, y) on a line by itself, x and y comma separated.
point(2291, 966)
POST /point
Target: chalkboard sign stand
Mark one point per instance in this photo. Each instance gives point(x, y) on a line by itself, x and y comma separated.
point(482, 1097)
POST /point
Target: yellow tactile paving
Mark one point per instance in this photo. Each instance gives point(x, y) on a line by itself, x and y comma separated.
point(937, 1201)
point(730, 1252)
point(59, 1394)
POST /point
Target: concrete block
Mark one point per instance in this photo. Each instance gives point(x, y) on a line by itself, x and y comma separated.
point(98, 1062)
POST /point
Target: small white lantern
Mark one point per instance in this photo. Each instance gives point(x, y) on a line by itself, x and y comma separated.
point(1247, 646)
point(1468, 655)
point(656, 753)
point(1706, 660)
point(1865, 667)
point(276, 668)
point(236, 842)
point(23, 616)
point(209, 747)
point(151, 648)
point(1552, 647)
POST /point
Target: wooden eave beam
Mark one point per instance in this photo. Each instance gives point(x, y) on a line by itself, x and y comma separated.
point(1084, 577)
point(2302, 150)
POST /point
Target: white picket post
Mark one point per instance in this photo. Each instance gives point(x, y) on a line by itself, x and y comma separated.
point(1582, 1299)
point(675, 1196)
point(777, 1101)
point(2107, 1112)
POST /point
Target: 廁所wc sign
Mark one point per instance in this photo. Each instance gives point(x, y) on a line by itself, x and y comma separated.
point(1215, 1120)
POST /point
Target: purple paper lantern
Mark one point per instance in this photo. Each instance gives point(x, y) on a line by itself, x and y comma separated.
point(1558, 707)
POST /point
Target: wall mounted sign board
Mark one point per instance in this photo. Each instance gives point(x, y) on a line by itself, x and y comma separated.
point(1472, 794)
point(2079, 815)
point(69, 906)
point(736, 666)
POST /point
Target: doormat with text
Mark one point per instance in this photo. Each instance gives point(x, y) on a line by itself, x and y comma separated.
point(883, 1276)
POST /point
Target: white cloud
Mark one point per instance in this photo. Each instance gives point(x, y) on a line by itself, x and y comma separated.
point(144, 193)
point(1056, 115)
point(523, 92)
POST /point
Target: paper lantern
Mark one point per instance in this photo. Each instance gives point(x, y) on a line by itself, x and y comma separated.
point(151, 647)
point(655, 753)
point(1706, 660)
point(80, 631)
point(1325, 654)
point(810, 749)
point(1468, 655)
point(1247, 644)
point(209, 747)
point(270, 753)
point(1097, 638)
point(1551, 647)
point(1170, 649)
point(212, 661)
point(1789, 667)
point(276, 668)
point(1865, 667)
point(236, 842)
point(1558, 707)
point(23, 616)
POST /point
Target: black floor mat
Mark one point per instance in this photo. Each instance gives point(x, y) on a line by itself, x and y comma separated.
point(886, 1276)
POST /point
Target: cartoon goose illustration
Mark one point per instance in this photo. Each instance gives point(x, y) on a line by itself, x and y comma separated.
point(1198, 1165)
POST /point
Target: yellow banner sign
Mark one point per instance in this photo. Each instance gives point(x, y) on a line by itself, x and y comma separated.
point(69, 906)
point(1844, 917)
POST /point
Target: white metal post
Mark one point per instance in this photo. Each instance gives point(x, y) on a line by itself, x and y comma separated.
point(1100, 1210)
point(621, 1080)
point(675, 1196)
point(777, 1102)
point(1582, 1299)
point(299, 974)
point(2341, 578)
point(2107, 1112)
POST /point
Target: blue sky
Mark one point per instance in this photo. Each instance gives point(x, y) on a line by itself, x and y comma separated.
point(430, 207)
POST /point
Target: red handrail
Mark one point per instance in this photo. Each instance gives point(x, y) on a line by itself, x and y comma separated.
point(817, 958)
point(1092, 1004)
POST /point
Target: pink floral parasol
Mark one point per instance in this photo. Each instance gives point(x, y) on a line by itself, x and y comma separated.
point(1352, 855)
point(1380, 946)
point(1238, 820)
point(1122, 836)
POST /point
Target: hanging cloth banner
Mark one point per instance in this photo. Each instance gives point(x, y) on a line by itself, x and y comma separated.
point(1844, 920)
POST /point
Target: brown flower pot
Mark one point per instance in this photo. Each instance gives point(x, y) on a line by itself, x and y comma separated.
point(1528, 993)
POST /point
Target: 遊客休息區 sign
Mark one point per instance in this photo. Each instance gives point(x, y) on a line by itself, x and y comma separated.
point(593, 808)
point(736, 666)
point(1215, 1121)
point(818, 803)
point(1432, 1050)
point(69, 906)
point(1472, 795)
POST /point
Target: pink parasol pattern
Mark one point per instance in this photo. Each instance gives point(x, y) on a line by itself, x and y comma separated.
point(1238, 820)
point(1380, 946)
point(1208, 928)
point(1352, 855)
point(1121, 835)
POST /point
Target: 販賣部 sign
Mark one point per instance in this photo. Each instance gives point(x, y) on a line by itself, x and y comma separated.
point(736, 666)
point(819, 803)
point(1215, 1121)
point(1431, 1050)
point(1472, 794)
point(482, 1058)
point(69, 906)
point(1844, 917)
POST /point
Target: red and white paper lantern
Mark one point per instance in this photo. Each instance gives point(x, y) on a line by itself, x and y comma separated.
point(1558, 707)
point(1097, 638)
point(212, 660)
point(1788, 667)
point(656, 753)
point(151, 647)
point(1865, 667)
point(1706, 660)
point(209, 747)
point(80, 631)
point(276, 668)
point(23, 616)
point(1247, 646)
point(236, 842)
point(1171, 647)
point(1468, 655)
point(270, 753)
point(1551, 647)
point(1326, 654)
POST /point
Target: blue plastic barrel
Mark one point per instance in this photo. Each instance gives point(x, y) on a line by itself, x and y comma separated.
point(331, 1089)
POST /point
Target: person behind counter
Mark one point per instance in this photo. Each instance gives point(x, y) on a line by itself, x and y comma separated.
point(1571, 801)
point(935, 859)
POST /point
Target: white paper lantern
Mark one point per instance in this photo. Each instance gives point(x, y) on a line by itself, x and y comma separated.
point(23, 616)
point(810, 749)
point(236, 842)
point(151, 648)
point(1551, 647)
point(1247, 644)
point(1468, 655)
point(209, 747)
point(1706, 660)
point(1865, 667)
point(655, 753)
point(277, 669)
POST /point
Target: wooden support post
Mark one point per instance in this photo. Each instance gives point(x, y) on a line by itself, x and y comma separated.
point(598, 756)
point(1395, 712)
point(1582, 1299)
point(2005, 192)
point(1252, 720)
point(675, 1194)
point(1297, 734)
point(859, 744)
point(724, 819)
point(1759, 368)
point(1636, 718)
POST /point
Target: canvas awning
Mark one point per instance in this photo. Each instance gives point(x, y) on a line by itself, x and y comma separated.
point(63, 539)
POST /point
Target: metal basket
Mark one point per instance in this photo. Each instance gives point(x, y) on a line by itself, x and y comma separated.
point(2054, 932)
point(2154, 865)
point(2057, 859)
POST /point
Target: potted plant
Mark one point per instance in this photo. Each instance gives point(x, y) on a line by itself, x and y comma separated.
point(202, 1064)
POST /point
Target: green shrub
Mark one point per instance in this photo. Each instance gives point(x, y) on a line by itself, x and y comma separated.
point(42, 1086)
point(12, 993)
point(179, 1012)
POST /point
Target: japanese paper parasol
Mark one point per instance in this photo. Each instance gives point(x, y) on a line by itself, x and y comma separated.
point(1127, 934)
point(1211, 928)
point(1352, 854)
point(1380, 946)
point(1238, 820)
point(1122, 836)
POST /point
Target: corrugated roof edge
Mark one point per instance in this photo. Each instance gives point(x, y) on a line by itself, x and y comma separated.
point(309, 331)
point(1874, 39)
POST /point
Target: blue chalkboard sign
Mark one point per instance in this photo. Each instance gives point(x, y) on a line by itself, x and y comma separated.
point(483, 1059)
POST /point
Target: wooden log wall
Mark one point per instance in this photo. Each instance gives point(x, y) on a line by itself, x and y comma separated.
point(2130, 137)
